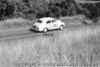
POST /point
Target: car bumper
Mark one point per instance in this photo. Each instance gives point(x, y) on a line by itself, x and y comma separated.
point(36, 29)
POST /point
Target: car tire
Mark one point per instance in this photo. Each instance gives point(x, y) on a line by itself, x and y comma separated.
point(45, 30)
point(61, 27)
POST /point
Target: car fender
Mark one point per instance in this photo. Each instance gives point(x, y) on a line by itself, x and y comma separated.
point(42, 27)
point(61, 23)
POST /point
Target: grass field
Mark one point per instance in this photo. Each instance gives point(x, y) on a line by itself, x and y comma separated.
point(17, 23)
point(77, 47)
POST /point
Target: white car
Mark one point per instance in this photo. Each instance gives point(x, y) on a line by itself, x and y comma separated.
point(47, 23)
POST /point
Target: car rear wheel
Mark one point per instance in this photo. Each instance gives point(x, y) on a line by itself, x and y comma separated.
point(61, 27)
point(45, 30)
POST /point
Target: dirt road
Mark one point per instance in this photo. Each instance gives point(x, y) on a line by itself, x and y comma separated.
point(26, 32)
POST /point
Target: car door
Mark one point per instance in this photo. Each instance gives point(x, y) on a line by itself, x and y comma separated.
point(49, 24)
point(55, 24)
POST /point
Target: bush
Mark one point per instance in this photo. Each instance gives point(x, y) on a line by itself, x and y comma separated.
point(47, 8)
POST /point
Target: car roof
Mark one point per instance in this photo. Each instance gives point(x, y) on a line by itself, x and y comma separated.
point(46, 18)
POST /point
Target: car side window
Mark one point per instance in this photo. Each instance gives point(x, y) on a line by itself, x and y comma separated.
point(53, 21)
point(49, 21)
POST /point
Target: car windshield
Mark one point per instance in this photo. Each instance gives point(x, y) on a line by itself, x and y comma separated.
point(39, 21)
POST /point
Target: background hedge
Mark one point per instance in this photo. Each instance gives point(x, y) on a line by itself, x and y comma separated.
point(47, 8)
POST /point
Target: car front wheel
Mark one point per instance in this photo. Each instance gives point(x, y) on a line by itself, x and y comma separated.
point(61, 27)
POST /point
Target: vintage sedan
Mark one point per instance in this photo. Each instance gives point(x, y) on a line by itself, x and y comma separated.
point(48, 23)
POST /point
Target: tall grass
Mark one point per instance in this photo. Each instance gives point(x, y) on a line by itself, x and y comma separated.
point(15, 23)
point(78, 47)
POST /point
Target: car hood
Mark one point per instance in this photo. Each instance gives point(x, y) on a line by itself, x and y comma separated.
point(58, 20)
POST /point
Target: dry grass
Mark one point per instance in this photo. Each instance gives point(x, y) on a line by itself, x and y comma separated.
point(73, 19)
point(79, 47)
point(15, 23)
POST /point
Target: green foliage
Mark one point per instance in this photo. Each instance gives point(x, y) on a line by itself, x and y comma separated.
point(46, 8)
point(90, 10)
